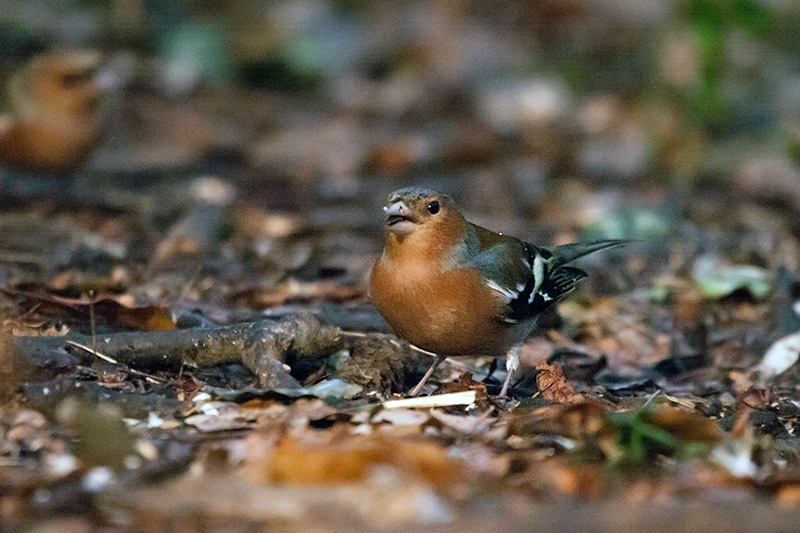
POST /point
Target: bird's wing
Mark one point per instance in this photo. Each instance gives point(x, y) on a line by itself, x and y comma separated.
point(531, 279)
point(525, 276)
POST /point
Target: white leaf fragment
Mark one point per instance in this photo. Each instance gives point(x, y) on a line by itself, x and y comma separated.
point(738, 462)
point(780, 356)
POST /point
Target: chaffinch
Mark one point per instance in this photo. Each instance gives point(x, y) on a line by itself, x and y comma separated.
point(454, 288)
point(53, 121)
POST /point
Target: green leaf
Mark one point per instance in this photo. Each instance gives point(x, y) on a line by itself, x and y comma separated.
point(717, 280)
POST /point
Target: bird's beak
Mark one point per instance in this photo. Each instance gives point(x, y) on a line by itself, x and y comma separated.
point(116, 72)
point(84, 59)
point(396, 213)
point(107, 79)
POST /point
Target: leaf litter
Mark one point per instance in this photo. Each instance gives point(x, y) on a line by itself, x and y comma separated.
point(187, 340)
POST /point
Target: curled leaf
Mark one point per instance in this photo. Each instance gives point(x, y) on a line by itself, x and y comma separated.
point(717, 280)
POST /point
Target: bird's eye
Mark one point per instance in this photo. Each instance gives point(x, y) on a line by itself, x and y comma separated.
point(74, 79)
point(433, 207)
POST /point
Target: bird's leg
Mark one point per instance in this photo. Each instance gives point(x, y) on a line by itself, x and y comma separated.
point(512, 364)
point(437, 360)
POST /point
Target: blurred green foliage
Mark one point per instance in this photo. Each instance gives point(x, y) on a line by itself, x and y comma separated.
point(712, 23)
point(653, 430)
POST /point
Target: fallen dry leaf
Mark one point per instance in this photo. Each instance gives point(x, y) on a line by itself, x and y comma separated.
point(553, 385)
point(689, 426)
point(106, 311)
point(751, 400)
point(466, 383)
point(353, 459)
point(580, 419)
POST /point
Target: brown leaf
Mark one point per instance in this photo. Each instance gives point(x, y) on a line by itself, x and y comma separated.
point(294, 290)
point(751, 400)
point(108, 311)
point(394, 157)
point(573, 421)
point(465, 383)
point(789, 496)
point(148, 318)
point(689, 307)
point(584, 418)
point(556, 474)
point(553, 385)
point(689, 426)
point(585, 481)
point(352, 459)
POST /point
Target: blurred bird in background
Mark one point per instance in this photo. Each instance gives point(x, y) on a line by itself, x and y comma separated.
point(54, 117)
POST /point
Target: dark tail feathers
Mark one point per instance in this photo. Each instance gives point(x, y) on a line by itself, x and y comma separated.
point(567, 253)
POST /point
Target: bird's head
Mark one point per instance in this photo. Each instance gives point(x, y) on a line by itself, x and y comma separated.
point(58, 84)
point(422, 213)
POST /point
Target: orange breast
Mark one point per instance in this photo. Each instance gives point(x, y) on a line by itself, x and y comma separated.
point(450, 313)
point(53, 146)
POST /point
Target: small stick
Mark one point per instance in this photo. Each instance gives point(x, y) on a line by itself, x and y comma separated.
point(115, 362)
point(92, 321)
point(439, 400)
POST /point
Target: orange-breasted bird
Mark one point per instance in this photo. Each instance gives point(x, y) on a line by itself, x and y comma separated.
point(454, 288)
point(53, 120)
